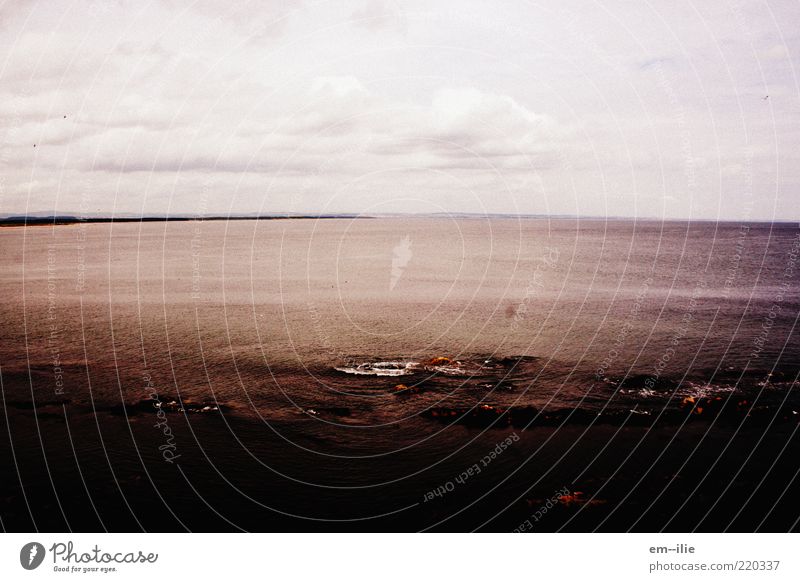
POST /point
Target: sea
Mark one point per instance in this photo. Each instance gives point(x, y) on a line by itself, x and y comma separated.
point(340, 374)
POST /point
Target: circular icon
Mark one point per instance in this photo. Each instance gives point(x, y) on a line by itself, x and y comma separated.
point(31, 555)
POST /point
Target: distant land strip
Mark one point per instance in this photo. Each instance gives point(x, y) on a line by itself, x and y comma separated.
point(59, 220)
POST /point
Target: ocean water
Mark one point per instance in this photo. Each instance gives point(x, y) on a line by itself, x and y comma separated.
point(352, 341)
point(265, 316)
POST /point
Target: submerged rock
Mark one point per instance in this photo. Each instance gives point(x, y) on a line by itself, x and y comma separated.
point(403, 390)
point(166, 405)
point(328, 411)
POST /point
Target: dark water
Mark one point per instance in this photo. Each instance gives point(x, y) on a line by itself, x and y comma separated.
point(326, 371)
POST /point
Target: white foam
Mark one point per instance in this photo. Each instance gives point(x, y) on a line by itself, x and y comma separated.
point(380, 368)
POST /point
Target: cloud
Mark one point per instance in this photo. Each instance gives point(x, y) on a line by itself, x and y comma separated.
point(376, 16)
point(776, 52)
point(487, 123)
point(341, 105)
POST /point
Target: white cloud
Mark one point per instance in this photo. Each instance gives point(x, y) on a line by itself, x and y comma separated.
point(344, 105)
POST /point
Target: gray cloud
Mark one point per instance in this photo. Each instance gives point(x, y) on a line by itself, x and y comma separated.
point(344, 105)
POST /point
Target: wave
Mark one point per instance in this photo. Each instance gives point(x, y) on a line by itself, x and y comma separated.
point(439, 365)
point(379, 368)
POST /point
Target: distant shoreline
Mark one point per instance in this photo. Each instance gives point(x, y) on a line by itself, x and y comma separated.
point(61, 220)
point(66, 220)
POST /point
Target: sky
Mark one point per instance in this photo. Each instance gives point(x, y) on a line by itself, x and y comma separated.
point(632, 108)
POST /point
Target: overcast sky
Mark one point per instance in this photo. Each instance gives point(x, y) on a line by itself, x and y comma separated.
point(615, 108)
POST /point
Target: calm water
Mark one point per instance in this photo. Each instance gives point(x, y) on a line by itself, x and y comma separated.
point(360, 339)
point(260, 314)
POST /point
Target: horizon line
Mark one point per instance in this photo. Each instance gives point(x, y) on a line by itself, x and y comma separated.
point(45, 217)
